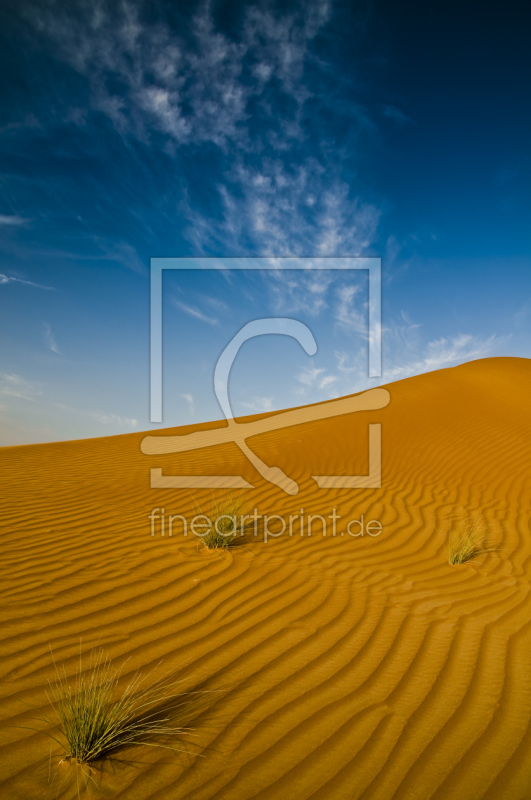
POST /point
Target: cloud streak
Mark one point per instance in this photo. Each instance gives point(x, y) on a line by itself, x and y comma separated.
point(190, 400)
point(99, 416)
point(446, 352)
point(11, 220)
point(50, 340)
point(285, 208)
point(14, 386)
point(260, 405)
point(5, 279)
point(194, 312)
point(347, 314)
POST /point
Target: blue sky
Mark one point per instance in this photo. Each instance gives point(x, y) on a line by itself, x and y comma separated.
point(132, 130)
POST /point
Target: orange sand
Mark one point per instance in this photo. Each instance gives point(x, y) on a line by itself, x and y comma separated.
point(350, 667)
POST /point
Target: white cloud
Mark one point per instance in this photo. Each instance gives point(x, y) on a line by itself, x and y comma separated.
point(49, 339)
point(406, 354)
point(121, 252)
point(328, 380)
point(20, 394)
point(258, 404)
point(313, 377)
point(190, 91)
point(107, 419)
point(13, 385)
point(214, 302)
point(5, 279)
point(190, 400)
point(346, 314)
point(192, 311)
point(12, 219)
point(99, 416)
point(445, 352)
point(309, 375)
point(288, 209)
point(301, 290)
point(208, 87)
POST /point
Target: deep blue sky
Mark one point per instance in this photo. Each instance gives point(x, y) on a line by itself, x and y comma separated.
point(137, 129)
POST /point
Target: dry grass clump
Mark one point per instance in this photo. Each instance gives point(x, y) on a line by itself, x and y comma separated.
point(96, 716)
point(228, 522)
point(466, 542)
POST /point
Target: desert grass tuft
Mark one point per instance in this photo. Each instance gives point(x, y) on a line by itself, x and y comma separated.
point(96, 716)
point(229, 523)
point(467, 542)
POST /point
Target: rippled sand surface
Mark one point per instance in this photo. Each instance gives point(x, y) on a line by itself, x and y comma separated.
point(336, 668)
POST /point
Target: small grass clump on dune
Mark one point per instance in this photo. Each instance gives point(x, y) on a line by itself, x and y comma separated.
point(466, 543)
point(96, 717)
point(228, 522)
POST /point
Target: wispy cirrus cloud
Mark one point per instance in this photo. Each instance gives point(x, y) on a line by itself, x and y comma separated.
point(258, 404)
point(105, 418)
point(15, 386)
point(407, 353)
point(283, 208)
point(309, 375)
point(291, 291)
point(313, 377)
point(5, 279)
point(347, 313)
point(195, 88)
point(190, 400)
point(50, 339)
point(242, 94)
point(328, 380)
point(214, 302)
point(446, 352)
point(13, 220)
point(110, 419)
point(122, 252)
point(195, 312)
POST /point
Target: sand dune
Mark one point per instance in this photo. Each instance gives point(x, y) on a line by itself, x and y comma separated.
point(347, 668)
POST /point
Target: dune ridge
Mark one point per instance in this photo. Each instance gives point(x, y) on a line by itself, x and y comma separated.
point(341, 668)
